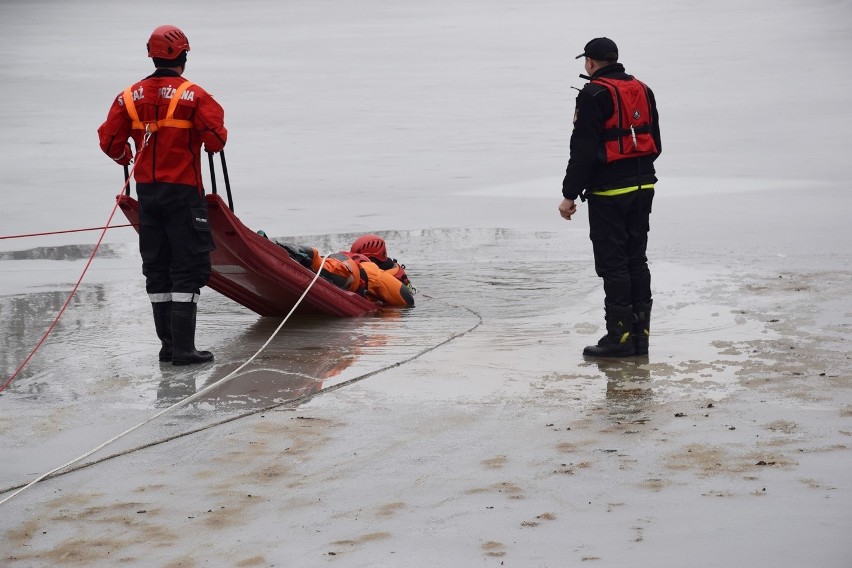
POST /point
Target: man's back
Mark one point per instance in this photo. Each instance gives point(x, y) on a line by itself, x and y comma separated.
point(173, 152)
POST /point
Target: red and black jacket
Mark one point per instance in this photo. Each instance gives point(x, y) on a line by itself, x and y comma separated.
point(173, 151)
point(603, 155)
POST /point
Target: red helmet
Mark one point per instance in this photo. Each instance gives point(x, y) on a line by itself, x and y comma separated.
point(372, 246)
point(167, 42)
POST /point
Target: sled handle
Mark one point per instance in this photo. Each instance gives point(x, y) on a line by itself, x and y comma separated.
point(126, 180)
point(224, 173)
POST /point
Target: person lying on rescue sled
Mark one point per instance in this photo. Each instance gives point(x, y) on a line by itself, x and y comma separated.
point(374, 248)
point(365, 269)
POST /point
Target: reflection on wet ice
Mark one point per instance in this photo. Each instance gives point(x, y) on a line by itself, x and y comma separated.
point(106, 347)
point(25, 319)
point(507, 278)
point(628, 387)
point(309, 354)
point(532, 313)
point(62, 252)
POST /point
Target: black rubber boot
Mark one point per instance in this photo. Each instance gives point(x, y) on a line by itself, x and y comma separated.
point(617, 341)
point(641, 327)
point(163, 325)
point(183, 335)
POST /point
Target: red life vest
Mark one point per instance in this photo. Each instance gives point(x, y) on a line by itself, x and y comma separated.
point(627, 133)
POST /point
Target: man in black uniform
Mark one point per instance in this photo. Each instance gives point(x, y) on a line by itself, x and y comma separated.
point(615, 140)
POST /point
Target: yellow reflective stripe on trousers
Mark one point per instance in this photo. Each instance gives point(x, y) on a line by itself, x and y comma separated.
point(623, 190)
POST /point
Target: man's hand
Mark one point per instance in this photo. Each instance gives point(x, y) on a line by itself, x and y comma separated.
point(567, 208)
point(126, 157)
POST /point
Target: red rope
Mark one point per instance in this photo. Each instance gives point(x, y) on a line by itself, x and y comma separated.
point(77, 285)
point(65, 305)
point(65, 231)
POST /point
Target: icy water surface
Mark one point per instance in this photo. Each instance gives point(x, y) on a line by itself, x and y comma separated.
point(508, 312)
point(107, 328)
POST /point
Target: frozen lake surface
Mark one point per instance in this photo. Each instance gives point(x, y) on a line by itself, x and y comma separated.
point(468, 429)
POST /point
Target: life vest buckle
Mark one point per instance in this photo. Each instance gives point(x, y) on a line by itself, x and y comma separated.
point(150, 128)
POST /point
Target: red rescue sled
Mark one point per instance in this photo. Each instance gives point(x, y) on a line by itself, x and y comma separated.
point(257, 273)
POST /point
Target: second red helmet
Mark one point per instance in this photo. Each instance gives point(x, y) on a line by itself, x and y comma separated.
point(371, 246)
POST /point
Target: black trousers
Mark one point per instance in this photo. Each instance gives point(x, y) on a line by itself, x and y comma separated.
point(174, 239)
point(618, 228)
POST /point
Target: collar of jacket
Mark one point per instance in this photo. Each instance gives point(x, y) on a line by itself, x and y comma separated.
point(164, 73)
point(608, 70)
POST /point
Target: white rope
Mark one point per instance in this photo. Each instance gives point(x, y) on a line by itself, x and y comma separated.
point(183, 402)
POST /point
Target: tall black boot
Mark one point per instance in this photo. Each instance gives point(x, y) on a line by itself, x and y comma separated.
point(641, 327)
point(183, 335)
point(616, 342)
point(163, 325)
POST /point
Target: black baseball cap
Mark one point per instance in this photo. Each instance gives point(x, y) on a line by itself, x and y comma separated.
point(600, 48)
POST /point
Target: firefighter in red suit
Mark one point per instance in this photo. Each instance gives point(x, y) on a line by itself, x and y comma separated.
point(615, 140)
point(168, 119)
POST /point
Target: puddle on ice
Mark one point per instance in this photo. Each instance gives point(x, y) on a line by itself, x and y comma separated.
point(532, 298)
point(65, 252)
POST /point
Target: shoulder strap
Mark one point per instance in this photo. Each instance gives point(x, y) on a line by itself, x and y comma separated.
point(170, 114)
point(169, 120)
point(130, 106)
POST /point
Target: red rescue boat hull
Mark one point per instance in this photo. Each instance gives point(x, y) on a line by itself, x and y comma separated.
point(258, 274)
